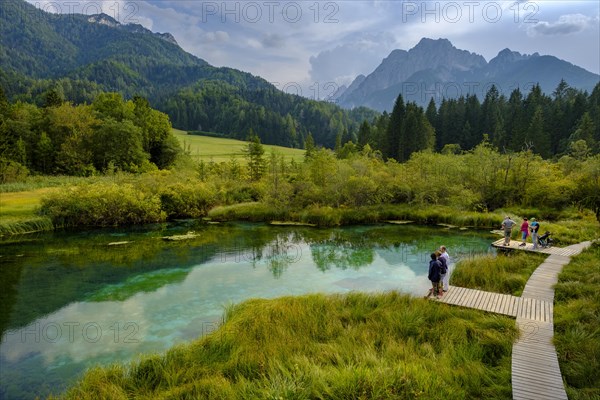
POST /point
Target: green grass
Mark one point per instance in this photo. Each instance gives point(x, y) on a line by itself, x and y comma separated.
point(18, 212)
point(577, 325)
point(223, 150)
point(506, 274)
point(355, 346)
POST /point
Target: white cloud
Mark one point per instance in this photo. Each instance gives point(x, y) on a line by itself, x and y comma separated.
point(566, 24)
point(359, 55)
point(215, 37)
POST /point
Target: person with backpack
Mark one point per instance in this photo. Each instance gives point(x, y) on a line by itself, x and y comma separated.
point(534, 227)
point(434, 276)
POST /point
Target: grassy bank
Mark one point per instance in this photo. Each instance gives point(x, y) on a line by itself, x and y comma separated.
point(506, 274)
point(577, 325)
point(18, 212)
point(358, 346)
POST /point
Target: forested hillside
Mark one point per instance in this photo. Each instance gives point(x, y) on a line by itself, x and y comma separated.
point(80, 56)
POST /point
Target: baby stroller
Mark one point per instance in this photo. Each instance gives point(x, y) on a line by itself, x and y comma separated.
point(545, 240)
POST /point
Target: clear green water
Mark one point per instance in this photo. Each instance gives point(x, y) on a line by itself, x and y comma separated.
point(70, 300)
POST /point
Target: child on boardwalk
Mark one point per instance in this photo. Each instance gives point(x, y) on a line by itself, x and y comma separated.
point(434, 276)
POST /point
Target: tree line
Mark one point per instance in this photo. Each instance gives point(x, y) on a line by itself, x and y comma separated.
point(61, 138)
point(550, 126)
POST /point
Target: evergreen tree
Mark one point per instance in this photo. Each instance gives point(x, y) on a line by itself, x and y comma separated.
point(52, 98)
point(536, 134)
point(431, 113)
point(255, 155)
point(395, 129)
point(417, 133)
point(516, 124)
point(379, 133)
point(338, 143)
point(473, 117)
point(594, 111)
point(309, 146)
point(364, 134)
point(492, 121)
point(585, 131)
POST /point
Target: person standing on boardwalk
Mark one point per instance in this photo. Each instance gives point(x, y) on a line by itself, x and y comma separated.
point(507, 226)
point(534, 227)
point(446, 277)
point(524, 232)
point(434, 276)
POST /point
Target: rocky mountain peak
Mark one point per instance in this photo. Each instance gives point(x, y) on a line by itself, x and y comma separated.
point(103, 19)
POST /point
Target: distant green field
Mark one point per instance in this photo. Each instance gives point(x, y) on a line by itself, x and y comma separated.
point(220, 149)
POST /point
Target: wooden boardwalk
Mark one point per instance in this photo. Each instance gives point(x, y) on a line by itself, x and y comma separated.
point(513, 306)
point(535, 369)
point(557, 251)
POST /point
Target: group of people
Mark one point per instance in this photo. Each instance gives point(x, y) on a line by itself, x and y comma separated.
point(439, 272)
point(526, 229)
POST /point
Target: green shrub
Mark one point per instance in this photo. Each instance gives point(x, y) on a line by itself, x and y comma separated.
point(255, 212)
point(102, 205)
point(186, 200)
point(321, 216)
point(11, 171)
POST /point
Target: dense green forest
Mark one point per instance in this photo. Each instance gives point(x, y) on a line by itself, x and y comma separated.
point(551, 126)
point(60, 138)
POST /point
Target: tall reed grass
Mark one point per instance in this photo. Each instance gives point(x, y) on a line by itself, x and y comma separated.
point(355, 346)
point(577, 325)
point(506, 274)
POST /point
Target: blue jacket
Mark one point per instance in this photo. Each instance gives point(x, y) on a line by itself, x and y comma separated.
point(434, 271)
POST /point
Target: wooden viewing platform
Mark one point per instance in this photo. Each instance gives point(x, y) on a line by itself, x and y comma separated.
point(515, 245)
point(535, 369)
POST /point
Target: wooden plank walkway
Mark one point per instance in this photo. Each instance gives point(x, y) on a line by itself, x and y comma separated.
point(513, 306)
point(535, 369)
point(558, 251)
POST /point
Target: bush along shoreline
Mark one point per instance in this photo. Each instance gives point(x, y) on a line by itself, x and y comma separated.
point(474, 189)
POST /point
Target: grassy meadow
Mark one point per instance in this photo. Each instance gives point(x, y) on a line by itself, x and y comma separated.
point(354, 346)
point(218, 150)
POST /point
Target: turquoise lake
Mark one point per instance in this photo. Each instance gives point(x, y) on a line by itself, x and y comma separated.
point(73, 300)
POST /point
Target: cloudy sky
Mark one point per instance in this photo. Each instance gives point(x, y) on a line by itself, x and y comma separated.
point(313, 46)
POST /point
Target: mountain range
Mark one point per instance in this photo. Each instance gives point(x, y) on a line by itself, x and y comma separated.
point(436, 69)
point(79, 56)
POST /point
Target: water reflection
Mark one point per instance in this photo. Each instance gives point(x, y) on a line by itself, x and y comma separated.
point(72, 300)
